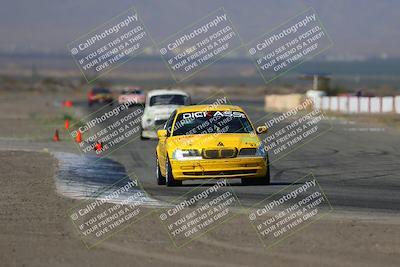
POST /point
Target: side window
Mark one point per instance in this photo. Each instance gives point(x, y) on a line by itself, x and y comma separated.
point(188, 101)
point(168, 124)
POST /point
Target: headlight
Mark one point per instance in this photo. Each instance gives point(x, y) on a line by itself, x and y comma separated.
point(253, 152)
point(261, 151)
point(186, 154)
point(146, 119)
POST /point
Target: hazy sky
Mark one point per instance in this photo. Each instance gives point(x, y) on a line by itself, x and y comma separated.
point(357, 27)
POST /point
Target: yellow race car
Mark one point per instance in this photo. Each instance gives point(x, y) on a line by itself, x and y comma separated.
point(206, 141)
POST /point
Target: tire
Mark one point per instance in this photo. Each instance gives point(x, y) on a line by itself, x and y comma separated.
point(170, 181)
point(160, 178)
point(142, 137)
point(259, 181)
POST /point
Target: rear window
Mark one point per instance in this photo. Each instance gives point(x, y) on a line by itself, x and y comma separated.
point(208, 122)
point(132, 92)
point(159, 100)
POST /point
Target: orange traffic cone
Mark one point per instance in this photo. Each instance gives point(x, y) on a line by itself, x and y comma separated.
point(66, 124)
point(68, 103)
point(78, 137)
point(56, 137)
point(98, 146)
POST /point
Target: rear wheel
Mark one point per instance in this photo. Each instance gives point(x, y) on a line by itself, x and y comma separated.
point(170, 181)
point(142, 137)
point(160, 178)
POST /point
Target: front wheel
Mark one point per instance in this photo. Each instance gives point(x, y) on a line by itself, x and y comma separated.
point(170, 181)
point(259, 181)
point(160, 178)
point(142, 137)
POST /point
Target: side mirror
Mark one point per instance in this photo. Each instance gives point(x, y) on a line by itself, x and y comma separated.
point(162, 133)
point(262, 129)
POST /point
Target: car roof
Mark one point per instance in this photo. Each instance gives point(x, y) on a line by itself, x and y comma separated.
point(166, 92)
point(210, 107)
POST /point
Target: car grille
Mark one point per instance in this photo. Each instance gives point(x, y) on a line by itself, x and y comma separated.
point(219, 153)
point(220, 173)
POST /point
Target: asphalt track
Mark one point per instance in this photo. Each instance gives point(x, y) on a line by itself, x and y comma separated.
point(357, 166)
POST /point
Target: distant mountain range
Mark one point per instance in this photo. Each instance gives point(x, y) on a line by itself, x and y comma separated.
point(358, 28)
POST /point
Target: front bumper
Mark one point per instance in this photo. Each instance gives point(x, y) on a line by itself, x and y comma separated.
point(243, 167)
point(150, 133)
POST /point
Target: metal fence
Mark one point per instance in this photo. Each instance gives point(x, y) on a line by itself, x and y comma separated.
point(354, 104)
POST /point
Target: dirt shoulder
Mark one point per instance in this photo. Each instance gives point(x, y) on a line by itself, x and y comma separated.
point(35, 231)
point(34, 227)
point(33, 116)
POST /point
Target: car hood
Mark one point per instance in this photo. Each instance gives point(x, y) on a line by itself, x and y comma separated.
point(160, 111)
point(199, 141)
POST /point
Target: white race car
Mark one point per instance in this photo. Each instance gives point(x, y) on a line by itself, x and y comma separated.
point(159, 106)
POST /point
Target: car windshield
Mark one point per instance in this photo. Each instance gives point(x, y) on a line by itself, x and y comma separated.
point(132, 92)
point(158, 100)
point(208, 122)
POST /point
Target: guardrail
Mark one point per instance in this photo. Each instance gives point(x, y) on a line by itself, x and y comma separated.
point(355, 104)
